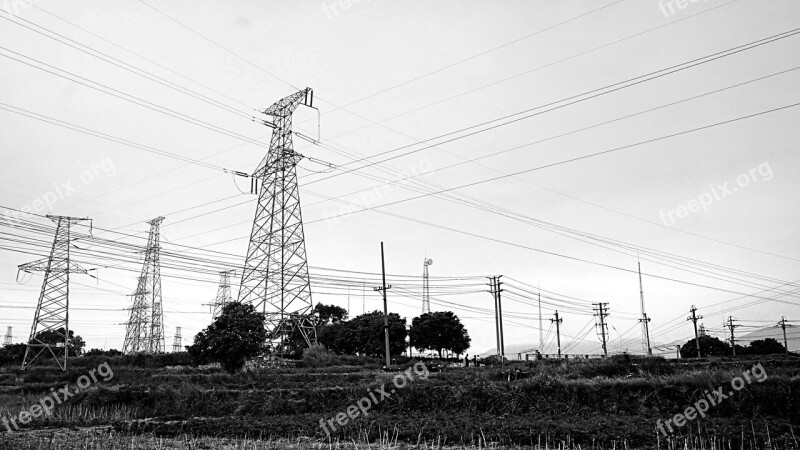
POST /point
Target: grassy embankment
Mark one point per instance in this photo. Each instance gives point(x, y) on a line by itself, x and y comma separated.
point(586, 402)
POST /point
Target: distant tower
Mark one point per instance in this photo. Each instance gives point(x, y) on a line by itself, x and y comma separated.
point(275, 276)
point(7, 340)
point(145, 331)
point(176, 344)
point(702, 331)
point(426, 287)
point(223, 293)
point(52, 311)
point(645, 321)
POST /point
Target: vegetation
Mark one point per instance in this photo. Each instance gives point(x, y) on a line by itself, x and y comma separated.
point(364, 335)
point(439, 331)
point(237, 334)
point(605, 403)
point(713, 346)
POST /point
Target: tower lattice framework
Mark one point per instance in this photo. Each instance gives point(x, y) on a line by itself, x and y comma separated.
point(275, 276)
point(224, 295)
point(51, 319)
point(176, 342)
point(145, 327)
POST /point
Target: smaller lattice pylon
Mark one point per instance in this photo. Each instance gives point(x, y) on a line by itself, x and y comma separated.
point(224, 295)
point(7, 340)
point(176, 344)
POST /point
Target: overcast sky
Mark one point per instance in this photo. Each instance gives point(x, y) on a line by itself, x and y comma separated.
point(389, 74)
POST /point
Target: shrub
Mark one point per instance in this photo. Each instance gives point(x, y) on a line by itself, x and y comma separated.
point(318, 356)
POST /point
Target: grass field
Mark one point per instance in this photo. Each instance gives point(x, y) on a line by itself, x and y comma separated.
point(614, 403)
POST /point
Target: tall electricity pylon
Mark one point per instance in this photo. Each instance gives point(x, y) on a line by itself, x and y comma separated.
point(223, 293)
point(176, 344)
point(145, 331)
point(52, 312)
point(426, 287)
point(275, 277)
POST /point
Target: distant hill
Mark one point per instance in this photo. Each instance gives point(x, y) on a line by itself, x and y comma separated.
point(774, 332)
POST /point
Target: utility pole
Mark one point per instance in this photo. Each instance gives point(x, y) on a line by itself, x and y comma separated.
point(601, 311)
point(145, 327)
point(275, 276)
point(8, 337)
point(176, 344)
point(52, 311)
point(498, 315)
point(694, 318)
point(781, 324)
point(558, 332)
point(645, 321)
point(383, 290)
point(732, 326)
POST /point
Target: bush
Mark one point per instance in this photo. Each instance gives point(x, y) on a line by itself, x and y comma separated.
point(318, 356)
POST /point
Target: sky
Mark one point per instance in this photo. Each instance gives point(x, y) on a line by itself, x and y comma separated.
point(695, 162)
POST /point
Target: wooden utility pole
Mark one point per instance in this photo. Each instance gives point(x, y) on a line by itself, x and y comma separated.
point(731, 325)
point(498, 314)
point(601, 311)
point(383, 290)
point(694, 318)
point(558, 333)
point(782, 324)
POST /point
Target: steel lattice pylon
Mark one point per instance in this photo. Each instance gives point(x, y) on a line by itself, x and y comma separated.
point(223, 293)
point(52, 311)
point(145, 328)
point(275, 277)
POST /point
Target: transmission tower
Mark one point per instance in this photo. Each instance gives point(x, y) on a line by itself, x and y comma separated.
point(52, 311)
point(7, 340)
point(275, 277)
point(426, 286)
point(176, 344)
point(145, 328)
point(645, 321)
point(601, 311)
point(223, 293)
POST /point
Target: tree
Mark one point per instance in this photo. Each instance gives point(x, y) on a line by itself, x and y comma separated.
point(709, 346)
point(237, 333)
point(56, 337)
point(322, 316)
point(439, 331)
point(12, 354)
point(768, 346)
point(328, 314)
point(364, 334)
point(101, 352)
